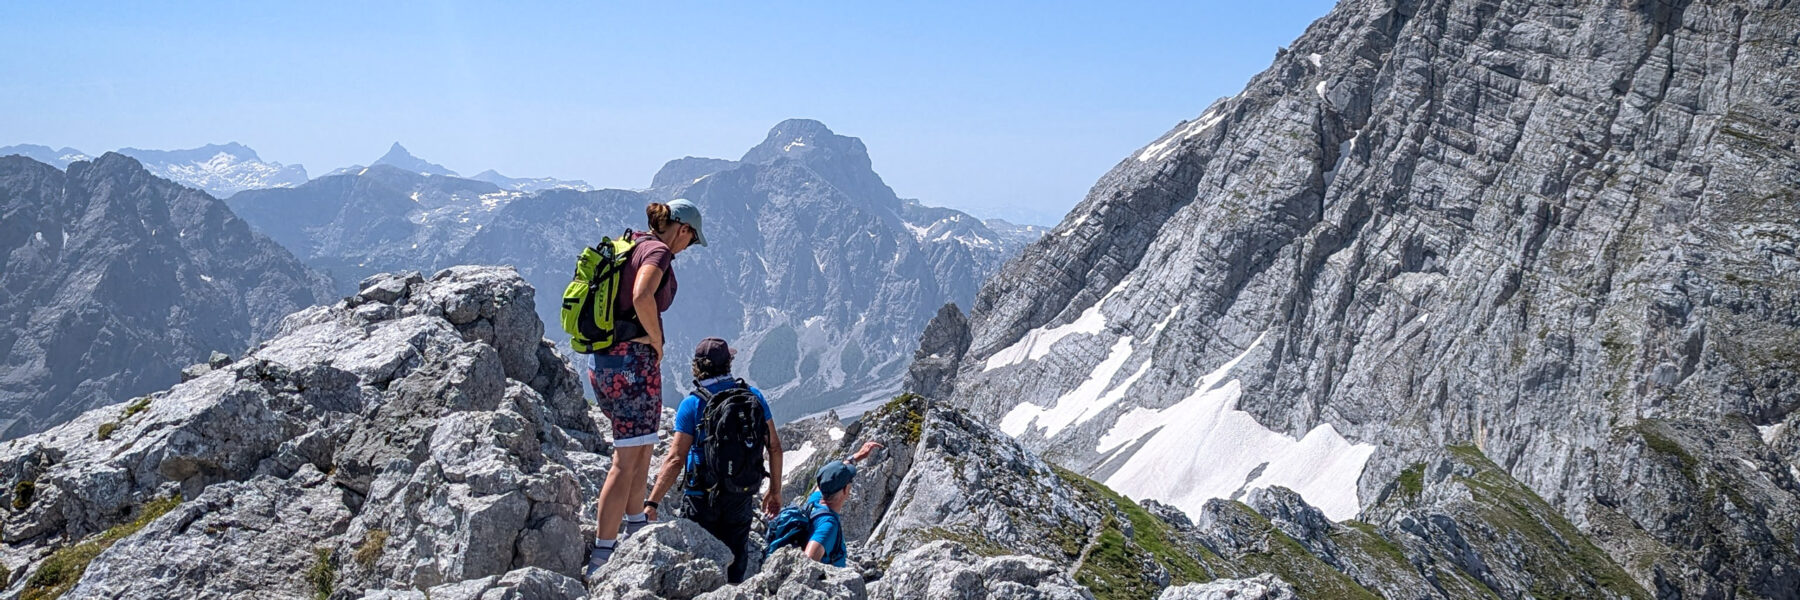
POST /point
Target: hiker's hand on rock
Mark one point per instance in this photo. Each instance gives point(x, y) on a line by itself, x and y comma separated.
point(864, 452)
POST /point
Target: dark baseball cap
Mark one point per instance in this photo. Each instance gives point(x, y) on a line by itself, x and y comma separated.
point(835, 476)
point(715, 350)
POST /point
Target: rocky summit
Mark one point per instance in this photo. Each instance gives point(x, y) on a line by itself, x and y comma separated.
point(1445, 241)
point(422, 439)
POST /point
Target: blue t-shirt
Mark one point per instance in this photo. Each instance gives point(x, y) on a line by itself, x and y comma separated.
point(828, 531)
point(687, 418)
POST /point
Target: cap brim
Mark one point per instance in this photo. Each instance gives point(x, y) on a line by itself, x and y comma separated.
point(698, 238)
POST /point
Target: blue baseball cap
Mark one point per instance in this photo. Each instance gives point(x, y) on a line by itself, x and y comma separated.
point(835, 476)
point(681, 209)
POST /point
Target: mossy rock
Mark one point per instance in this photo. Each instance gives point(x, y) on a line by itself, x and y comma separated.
point(322, 575)
point(369, 551)
point(137, 405)
point(59, 573)
point(23, 492)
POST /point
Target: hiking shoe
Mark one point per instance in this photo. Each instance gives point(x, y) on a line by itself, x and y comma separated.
point(597, 557)
point(630, 528)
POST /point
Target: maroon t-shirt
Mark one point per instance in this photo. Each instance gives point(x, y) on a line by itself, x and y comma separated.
point(649, 251)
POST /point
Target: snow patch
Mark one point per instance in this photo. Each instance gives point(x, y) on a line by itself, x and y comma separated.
point(795, 457)
point(1203, 448)
point(1770, 432)
point(918, 232)
point(836, 433)
point(793, 144)
point(1320, 89)
point(1315, 58)
point(40, 236)
point(1082, 403)
point(1037, 342)
point(206, 278)
point(1168, 145)
point(1073, 226)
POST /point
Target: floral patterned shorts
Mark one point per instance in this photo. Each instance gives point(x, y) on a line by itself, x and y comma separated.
point(627, 380)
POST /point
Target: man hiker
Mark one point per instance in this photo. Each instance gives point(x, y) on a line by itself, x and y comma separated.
point(723, 432)
point(826, 544)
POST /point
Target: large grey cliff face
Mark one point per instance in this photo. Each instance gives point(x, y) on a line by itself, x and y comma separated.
point(1550, 231)
point(116, 279)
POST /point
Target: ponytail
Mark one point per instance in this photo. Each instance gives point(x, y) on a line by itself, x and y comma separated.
point(658, 214)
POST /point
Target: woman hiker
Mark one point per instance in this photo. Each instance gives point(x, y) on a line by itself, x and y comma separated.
point(627, 377)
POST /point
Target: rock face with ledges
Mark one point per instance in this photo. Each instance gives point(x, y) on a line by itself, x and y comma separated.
point(1526, 226)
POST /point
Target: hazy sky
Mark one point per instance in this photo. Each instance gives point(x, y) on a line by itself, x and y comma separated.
point(1008, 110)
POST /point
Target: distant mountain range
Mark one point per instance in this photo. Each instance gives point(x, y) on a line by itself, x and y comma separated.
point(115, 279)
point(817, 271)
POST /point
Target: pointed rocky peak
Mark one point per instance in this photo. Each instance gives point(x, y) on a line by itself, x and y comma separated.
point(842, 160)
point(398, 157)
point(806, 138)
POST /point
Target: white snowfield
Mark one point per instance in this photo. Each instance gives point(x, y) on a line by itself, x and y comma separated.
point(1090, 398)
point(1036, 343)
point(792, 458)
point(1203, 447)
point(1168, 145)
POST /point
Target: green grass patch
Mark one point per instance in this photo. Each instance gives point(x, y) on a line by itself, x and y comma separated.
point(63, 569)
point(1412, 481)
point(1286, 558)
point(105, 431)
point(137, 406)
point(1661, 444)
point(1115, 565)
point(1563, 563)
point(370, 550)
point(974, 541)
point(906, 407)
point(1370, 541)
point(322, 575)
point(23, 492)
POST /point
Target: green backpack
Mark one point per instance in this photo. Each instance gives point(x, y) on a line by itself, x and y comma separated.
point(588, 303)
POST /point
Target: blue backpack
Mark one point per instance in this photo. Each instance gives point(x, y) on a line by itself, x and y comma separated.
point(793, 526)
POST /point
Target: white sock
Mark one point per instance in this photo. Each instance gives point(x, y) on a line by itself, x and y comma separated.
point(604, 544)
point(637, 518)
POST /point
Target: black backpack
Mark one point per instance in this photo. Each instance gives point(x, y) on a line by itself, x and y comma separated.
point(736, 434)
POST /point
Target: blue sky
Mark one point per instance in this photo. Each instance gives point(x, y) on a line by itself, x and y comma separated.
point(1001, 109)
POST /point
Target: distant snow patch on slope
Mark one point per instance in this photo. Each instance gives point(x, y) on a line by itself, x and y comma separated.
point(1770, 432)
point(1167, 146)
point(798, 456)
point(1081, 403)
point(1314, 58)
point(1037, 342)
point(1203, 448)
point(1073, 226)
point(1090, 398)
